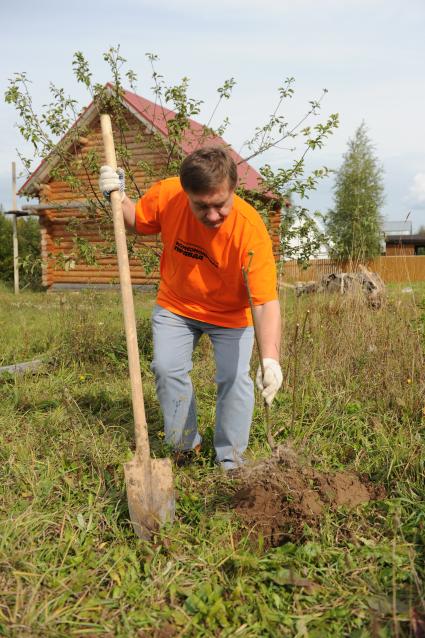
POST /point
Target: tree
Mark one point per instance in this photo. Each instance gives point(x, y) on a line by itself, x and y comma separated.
point(29, 251)
point(421, 231)
point(44, 130)
point(354, 224)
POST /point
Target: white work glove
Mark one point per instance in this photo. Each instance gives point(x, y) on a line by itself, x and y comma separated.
point(110, 180)
point(272, 380)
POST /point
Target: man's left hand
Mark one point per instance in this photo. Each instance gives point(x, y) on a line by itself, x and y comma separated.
point(270, 383)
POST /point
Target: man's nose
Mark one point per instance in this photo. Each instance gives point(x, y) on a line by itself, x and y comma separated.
point(213, 214)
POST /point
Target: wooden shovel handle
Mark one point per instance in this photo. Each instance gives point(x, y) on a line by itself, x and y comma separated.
point(140, 427)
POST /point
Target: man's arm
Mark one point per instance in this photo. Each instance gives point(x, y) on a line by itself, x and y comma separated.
point(268, 322)
point(129, 213)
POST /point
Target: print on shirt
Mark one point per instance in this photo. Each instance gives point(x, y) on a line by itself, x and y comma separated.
point(193, 251)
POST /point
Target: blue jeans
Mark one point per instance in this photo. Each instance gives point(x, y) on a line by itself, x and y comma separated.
point(174, 339)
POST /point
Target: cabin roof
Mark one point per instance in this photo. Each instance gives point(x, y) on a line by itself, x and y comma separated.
point(416, 240)
point(155, 117)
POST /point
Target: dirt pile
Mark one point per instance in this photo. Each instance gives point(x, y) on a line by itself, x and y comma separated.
point(279, 496)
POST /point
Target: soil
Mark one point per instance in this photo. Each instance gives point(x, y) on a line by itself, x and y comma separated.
point(278, 497)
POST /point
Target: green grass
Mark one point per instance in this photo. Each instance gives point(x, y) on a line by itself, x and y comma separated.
point(70, 565)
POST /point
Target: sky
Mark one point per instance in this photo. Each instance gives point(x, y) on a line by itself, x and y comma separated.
point(368, 54)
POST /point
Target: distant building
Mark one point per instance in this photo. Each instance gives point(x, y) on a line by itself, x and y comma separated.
point(405, 245)
point(323, 252)
point(399, 240)
point(296, 245)
point(397, 228)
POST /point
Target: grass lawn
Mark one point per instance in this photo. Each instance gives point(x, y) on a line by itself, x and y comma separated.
point(70, 565)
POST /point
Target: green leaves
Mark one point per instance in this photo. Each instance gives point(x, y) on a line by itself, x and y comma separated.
point(208, 606)
point(225, 91)
point(81, 69)
point(29, 251)
point(354, 223)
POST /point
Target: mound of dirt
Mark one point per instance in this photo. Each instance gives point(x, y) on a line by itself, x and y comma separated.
point(279, 496)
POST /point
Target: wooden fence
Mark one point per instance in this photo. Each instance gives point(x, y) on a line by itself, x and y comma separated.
point(394, 269)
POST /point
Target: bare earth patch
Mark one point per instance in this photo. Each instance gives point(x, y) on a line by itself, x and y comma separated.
point(277, 497)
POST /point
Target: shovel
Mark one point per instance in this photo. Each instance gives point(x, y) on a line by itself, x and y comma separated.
point(149, 482)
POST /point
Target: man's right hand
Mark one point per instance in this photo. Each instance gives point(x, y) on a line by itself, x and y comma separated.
point(110, 180)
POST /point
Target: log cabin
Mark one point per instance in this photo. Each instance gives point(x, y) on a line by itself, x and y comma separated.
point(75, 241)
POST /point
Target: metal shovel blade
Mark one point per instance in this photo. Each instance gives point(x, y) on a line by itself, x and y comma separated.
point(149, 505)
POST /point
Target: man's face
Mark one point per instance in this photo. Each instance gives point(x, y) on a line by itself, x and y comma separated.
point(211, 209)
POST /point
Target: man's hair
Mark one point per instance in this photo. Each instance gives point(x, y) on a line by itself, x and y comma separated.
point(205, 169)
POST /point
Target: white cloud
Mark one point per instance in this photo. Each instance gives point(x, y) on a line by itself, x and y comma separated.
point(417, 190)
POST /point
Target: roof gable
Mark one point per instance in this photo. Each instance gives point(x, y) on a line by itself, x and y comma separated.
point(155, 117)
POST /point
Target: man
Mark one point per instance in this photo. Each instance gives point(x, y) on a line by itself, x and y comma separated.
point(208, 235)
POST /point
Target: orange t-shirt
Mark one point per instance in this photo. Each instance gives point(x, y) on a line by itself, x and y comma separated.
point(201, 268)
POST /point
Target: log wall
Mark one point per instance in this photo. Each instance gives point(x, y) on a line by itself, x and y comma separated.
point(61, 263)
